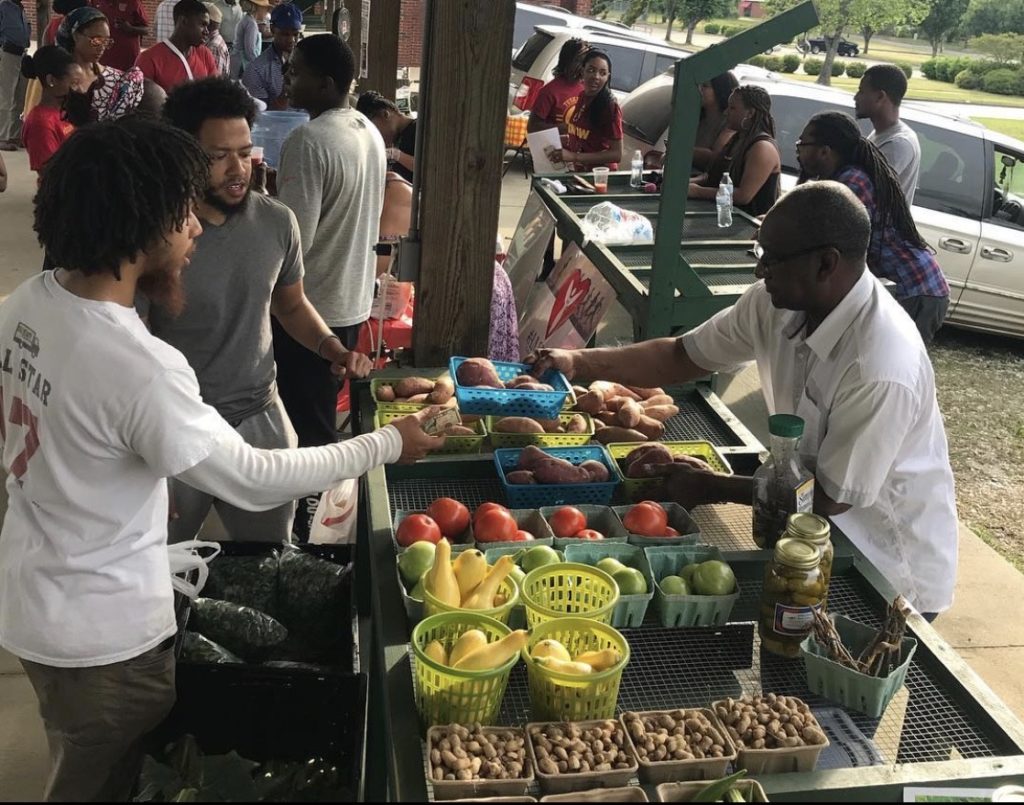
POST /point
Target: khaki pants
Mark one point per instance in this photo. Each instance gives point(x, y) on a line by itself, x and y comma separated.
point(12, 96)
point(95, 719)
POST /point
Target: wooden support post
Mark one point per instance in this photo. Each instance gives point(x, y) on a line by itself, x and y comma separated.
point(385, 18)
point(467, 54)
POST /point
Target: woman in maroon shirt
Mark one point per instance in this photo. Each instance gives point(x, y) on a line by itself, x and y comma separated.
point(595, 129)
point(557, 100)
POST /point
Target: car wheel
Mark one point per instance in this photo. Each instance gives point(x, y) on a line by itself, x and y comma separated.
point(815, 50)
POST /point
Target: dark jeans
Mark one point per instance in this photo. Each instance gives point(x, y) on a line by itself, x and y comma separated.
point(928, 313)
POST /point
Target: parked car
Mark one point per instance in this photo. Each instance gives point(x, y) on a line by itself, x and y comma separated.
point(819, 44)
point(969, 205)
point(529, 16)
point(635, 59)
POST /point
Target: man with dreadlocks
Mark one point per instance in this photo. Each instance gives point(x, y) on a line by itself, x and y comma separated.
point(834, 348)
point(831, 146)
point(98, 414)
point(751, 157)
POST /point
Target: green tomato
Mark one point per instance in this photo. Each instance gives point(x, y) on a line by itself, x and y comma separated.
point(631, 581)
point(675, 585)
point(688, 571)
point(417, 591)
point(539, 557)
point(610, 565)
point(714, 578)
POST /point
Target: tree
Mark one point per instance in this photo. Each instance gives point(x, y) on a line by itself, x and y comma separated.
point(943, 18)
point(994, 17)
point(692, 12)
point(637, 8)
point(600, 8)
point(1003, 48)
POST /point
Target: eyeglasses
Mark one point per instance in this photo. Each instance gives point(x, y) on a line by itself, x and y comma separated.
point(99, 41)
point(765, 262)
point(802, 143)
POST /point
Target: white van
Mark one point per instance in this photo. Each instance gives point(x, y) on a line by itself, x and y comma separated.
point(529, 16)
point(969, 206)
point(635, 58)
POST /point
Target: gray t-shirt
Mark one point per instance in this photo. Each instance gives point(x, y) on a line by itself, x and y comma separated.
point(901, 148)
point(224, 331)
point(332, 176)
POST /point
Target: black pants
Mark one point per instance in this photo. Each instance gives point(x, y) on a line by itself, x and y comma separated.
point(928, 313)
point(307, 387)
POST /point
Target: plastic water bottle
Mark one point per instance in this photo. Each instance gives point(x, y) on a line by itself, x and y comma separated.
point(636, 179)
point(723, 198)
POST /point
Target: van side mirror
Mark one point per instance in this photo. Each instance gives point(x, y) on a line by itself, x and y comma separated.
point(1008, 161)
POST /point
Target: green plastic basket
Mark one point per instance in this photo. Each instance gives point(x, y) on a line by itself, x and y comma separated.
point(413, 608)
point(448, 696)
point(630, 610)
point(599, 518)
point(687, 610)
point(517, 618)
point(637, 489)
point(526, 520)
point(540, 439)
point(407, 407)
point(556, 696)
point(678, 518)
point(459, 544)
point(853, 690)
point(566, 589)
point(453, 445)
point(508, 588)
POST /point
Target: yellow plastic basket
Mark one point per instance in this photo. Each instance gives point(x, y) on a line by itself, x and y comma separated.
point(434, 606)
point(567, 697)
point(568, 588)
point(448, 696)
point(453, 445)
point(636, 489)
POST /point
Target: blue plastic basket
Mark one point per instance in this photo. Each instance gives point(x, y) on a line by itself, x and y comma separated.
point(512, 402)
point(534, 496)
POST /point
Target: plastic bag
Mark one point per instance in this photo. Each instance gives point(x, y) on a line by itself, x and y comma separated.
point(242, 630)
point(247, 580)
point(189, 571)
point(196, 648)
point(335, 520)
point(312, 596)
point(609, 224)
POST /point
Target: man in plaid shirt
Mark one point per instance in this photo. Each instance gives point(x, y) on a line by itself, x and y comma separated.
point(831, 146)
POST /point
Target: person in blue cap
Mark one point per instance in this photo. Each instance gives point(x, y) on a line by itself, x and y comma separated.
point(264, 77)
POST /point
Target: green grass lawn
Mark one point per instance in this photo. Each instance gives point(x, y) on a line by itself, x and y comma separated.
point(922, 89)
point(1011, 128)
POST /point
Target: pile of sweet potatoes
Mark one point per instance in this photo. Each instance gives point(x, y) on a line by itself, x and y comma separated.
point(537, 467)
point(623, 413)
point(480, 373)
point(418, 390)
point(527, 425)
point(652, 461)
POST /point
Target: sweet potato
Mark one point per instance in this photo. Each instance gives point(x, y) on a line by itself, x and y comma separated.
point(644, 469)
point(648, 454)
point(521, 477)
point(413, 386)
point(534, 386)
point(609, 390)
point(599, 425)
point(597, 470)
point(646, 394)
point(615, 403)
point(659, 399)
point(459, 430)
point(661, 412)
point(518, 424)
point(386, 393)
point(578, 424)
point(443, 391)
point(558, 471)
point(579, 391)
point(550, 425)
point(630, 413)
point(590, 402)
point(470, 419)
point(616, 433)
point(608, 417)
point(530, 457)
point(416, 398)
point(651, 428)
point(517, 381)
point(478, 372)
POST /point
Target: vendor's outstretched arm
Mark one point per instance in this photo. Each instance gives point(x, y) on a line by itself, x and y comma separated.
point(659, 362)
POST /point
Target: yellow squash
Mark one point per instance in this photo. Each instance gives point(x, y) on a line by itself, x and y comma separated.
point(551, 648)
point(470, 567)
point(440, 581)
point(494, 655)
point(565, 667)
point(435, 650)
point(600, 660)
point(469, 642)
point(483, 596)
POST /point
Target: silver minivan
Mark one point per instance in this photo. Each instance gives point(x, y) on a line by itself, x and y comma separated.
point(969, 205)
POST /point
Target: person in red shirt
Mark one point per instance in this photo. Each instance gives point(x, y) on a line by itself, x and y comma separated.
point(45, 128)
point(595, 127)
point(183, 57)
point(128, 24)
point(556, 102)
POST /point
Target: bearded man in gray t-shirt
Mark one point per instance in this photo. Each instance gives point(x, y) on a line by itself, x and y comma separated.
point(879, 97)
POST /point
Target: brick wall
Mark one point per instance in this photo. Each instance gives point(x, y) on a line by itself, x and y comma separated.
point(410, 34)
point(149, 6)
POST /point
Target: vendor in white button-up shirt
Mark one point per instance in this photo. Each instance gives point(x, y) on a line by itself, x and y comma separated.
point(833, 347)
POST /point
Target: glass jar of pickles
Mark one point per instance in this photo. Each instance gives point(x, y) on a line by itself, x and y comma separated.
point(815, 530)
point(794, 587)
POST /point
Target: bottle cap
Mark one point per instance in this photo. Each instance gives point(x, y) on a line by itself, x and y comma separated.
point(797, 553)
point(808, 527)
point(650, 187)
point(786, 425)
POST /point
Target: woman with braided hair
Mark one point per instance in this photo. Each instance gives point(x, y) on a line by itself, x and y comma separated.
point(751, 157)
point(831, 146)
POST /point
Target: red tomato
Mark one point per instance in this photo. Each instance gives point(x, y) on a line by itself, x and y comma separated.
point(417, 528)
point(450, 515)
point(523, 536)
point(567, 522)
point(483, 508)
point(671, 532)
point(589, 533)
point(495, 526)
point(647, 519)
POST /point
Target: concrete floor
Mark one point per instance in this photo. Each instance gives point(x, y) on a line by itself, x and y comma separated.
point(993, 645)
